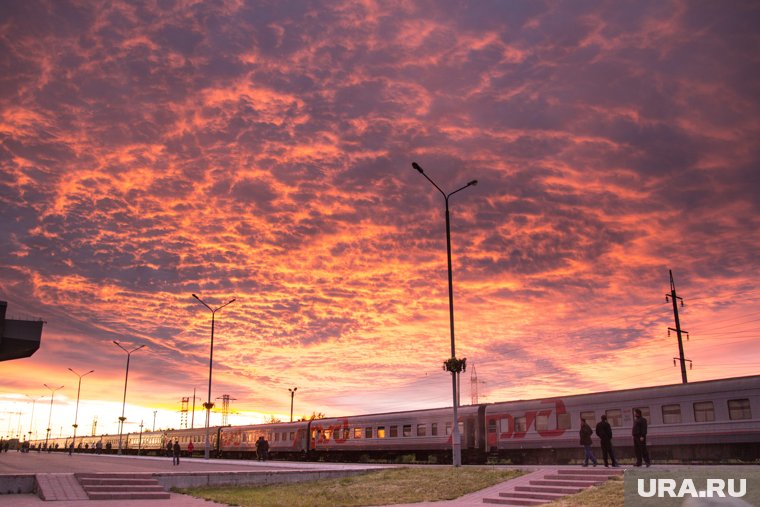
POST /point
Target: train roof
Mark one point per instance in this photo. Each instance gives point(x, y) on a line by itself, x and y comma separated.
point(701, 386)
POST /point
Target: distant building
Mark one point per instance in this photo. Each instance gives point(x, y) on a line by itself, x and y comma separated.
point(18, 338)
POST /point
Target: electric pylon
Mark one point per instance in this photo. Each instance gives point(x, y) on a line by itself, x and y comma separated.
point(678, 329)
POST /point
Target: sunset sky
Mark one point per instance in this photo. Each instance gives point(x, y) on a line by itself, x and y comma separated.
point(262, 150)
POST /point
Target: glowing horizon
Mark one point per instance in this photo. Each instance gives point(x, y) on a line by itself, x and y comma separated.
point(262, 151)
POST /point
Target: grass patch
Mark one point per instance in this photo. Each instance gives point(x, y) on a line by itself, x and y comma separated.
point(385, 487)
point(609, 494)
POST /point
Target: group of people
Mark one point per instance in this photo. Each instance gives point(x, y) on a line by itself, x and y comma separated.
point(604, 432)
point(174, 450)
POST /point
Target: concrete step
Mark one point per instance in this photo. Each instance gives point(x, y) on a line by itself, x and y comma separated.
point(591, 471)
point(515, 502)
point(555, 482)
point(579, 477)
point(133, 482)
point(565, 490)
point(133, 495)
point(122, 487)
point(533, 494)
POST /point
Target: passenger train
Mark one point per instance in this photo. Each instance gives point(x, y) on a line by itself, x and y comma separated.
point(708, 422)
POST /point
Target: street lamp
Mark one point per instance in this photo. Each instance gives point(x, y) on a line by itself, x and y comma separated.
point(456, 445)
point(31, 420)
point(124, 400)
point(292, 394)
point(76, 413)
point(209, 405)
point(50, 414)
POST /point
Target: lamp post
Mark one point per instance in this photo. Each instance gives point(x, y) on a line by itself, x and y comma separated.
point(292, 395)
point(50, 414)
point(124, 400)
point(456, 445)
point(76, 412)
point(139, 441)
point(31, 419)
point(209, 405)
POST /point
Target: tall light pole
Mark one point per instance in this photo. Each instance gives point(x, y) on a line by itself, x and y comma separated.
point(50, 414)
point(209, 405)
point(124, 400)
point(456, 445)
point(76, 413)
point(292, 395)
point(31, 420)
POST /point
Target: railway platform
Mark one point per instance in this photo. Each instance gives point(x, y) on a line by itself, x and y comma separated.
point(34, 479)
point(22, 476)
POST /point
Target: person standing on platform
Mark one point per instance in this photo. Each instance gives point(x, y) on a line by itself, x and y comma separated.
point(190, 449)
point(639, 433)
point(176, 450)
point(169, 449)
point(585, 434)
point(604, 432)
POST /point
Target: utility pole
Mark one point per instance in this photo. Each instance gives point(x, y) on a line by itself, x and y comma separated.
point(192, 418)
point(677, 329)
point(183, 412)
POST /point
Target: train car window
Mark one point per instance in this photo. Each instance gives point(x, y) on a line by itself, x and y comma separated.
point(434, 429)
point(644, 413)
point(563, 422)
point(421, 430)
point(521, 424)
point(590, 417)
point(357, 432)
point(276, 437)
point(407, 430)
point(448, 428)
point(671, 414)
point(614, 417)
point(394, 431)
point(381, 432)
point(367, 432)
point(504, 424)
point(704, 411)
point(328, 434)
point(542, 422)
point(345, 433)
point(739, 409)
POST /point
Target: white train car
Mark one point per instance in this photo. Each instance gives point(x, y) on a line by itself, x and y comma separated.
point(700, 421)
point(426, 434)
point(286, 440)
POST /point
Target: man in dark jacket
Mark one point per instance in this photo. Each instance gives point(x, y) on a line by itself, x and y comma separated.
point(176, 451)
point(585, 435)
point(604, 432)
point(639, 433)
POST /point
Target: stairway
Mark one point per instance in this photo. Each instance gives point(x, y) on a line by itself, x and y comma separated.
point(549, 485)
point(122, 486)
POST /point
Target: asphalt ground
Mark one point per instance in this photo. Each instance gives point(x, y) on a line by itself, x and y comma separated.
point(14, 463)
